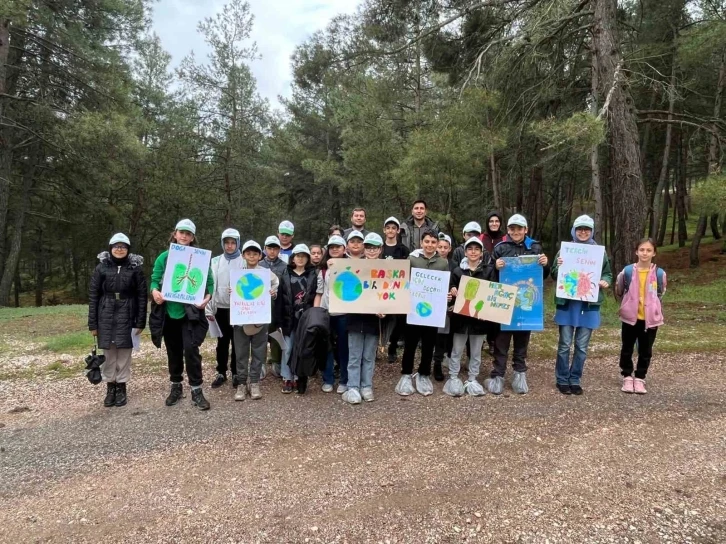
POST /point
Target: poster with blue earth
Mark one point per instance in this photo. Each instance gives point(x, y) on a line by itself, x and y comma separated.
point(428, 298)
point(525, 273)
point(250, 301)
point(369, 286)
point(185, 275)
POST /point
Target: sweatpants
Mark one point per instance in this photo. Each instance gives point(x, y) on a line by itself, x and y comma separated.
point(476, 341)
point(519, 354)
point(178, 356)
point(117, 367)
point(412, 335)
point(223, 343)
point(244, 345)
point(646, 339)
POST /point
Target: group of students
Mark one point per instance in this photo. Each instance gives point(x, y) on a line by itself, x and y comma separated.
point(300, 282)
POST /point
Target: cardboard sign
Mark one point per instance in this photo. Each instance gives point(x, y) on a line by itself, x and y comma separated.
point(250, 302)
point(579, 276)
point(185, 275)
point(429, 289)
point(485, 300)
point(369, 286)
point(525, 273)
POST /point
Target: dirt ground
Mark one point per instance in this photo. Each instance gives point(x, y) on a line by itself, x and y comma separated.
point(604, 467)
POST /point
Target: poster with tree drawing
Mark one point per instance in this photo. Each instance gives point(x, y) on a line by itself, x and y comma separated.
point(485, 300)
point(579, 276)
point(185, 276)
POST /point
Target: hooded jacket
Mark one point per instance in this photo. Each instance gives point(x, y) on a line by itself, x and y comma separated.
point(289, 313)
point(509, 248)
point(221, 267)
point(312, 336)
point(411, 234)
point(492, 238)
point(631, 298)
point(117, 300)
point(461, 324)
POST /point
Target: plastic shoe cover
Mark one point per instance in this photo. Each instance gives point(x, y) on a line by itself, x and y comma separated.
point(263, 371)
point(519, 383)
point(424, 385)
point(405, 386)
point(495, 385)
point(327, 388)
point(352, 396)
point(367, 394)
point(454, 387)
point(474, 388)
point(275, 370)
point(341, 389)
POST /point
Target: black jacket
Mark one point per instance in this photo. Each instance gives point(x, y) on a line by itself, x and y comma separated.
point(364, 323)
point(289, 317)
point(117, 301)
point(194, 329)
point(461, 324)
point(508, 248)
point(310, 349)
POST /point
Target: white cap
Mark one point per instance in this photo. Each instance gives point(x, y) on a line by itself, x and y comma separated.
point(473, 240)
point(518, 220)
point(446, 237)
point(472, 226)
point(187, 225)
point(585, 221)
point(355, 234)
point(301, 248)
point(391, 220)
point(336, 240)
point(231, 233)
point(251, 244)
point(121, 238)
point(286, 227)
point(272, 241)
point(373, 239)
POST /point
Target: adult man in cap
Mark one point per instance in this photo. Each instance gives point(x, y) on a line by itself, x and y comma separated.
point(418, 222)
point(357, 221)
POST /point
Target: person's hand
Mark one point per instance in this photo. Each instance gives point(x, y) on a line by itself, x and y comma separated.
point(139, 331)
point(543, 260)
point(210, 318)
point(381, 316)
point(454, 292)
point(158, 297)
point(273, 294)
point(560, 261)
point(604, 284)
point(500, 264)
point(94, 333)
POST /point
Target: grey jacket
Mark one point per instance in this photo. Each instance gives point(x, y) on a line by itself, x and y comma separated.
point(411, 234)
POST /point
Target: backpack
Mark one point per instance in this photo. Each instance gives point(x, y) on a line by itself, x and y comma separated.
point(628, 275)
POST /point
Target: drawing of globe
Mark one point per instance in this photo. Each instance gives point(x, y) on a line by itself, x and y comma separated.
point(347, 287)
point(424, 309)
point(250, 287)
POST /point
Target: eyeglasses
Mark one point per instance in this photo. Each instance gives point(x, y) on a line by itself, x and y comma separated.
point(119, 246)
point(371, 248)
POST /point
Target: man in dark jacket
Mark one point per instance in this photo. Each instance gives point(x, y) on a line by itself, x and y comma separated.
point(357, 221)
point(516, 244)
point(413, 228)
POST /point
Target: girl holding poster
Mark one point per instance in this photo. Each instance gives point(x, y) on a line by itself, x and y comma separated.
point(476, 264)
point(577, 318)
point(183, 326)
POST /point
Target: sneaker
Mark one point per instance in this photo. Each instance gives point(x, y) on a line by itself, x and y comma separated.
point(341, 389)
point(327, 388)
point(519, 383)
point(110, 399)
point(473, 388)
point(287, 386)
point(423, 385)
point(639, 386)
point(121, 394)
point(564, 388)
point(392, 358)
point(454, 387)
point(576, 390)
point(352, 396)
point(175, 395)
point(198, 399)
point(405, 386)
point(367, 394)
point(628, 386)
point(438, 372)
point(495, 385)
point(241, 393)
point(219, 379)
point(255, 393)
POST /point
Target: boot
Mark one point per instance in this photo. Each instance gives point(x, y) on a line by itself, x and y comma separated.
point(110, 399)
point(198, 399)
point(120, 394)
point(175, 394)
point(438, 372)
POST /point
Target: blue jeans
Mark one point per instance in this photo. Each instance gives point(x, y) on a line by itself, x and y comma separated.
point(339, 330)
point(362, 359)
point(564, 372)
point(285, 363)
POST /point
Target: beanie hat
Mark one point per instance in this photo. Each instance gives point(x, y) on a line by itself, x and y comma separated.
point(286, 227)
point(584, 221)
point(187, 225)
point(472, 226)
point(517, 220)
point(119, 238)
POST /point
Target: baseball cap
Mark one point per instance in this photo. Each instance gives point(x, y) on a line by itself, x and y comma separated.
point(355, 234)
point(272, 241)
point(231, 233)
point(392, 220)
point(336, 240)
point(585, 221)
point(518, 220)
point(119, 238)
point(187, 225)
point(446, 237)
point(473, 240)
point(251, 244)
point(472, 226)
point(373, 239)
point(286, 227)
point(301, 248)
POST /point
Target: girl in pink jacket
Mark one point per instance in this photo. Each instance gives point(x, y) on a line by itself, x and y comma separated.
point(641, 286)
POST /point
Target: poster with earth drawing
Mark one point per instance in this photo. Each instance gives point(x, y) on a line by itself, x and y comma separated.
point(185, 276)
point(428, 297)
point(485, 300)
point(525, 273)
point(579, 276)
point(250, 302)
point(369, 286)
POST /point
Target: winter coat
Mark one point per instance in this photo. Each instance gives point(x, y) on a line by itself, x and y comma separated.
point(606, 274)
point(509, 248)
point(347, 231)
point(631, 299)
point(411, 234)
point(194, 329)
point(312, 337)
point(117, 300)
point(489, 238)
point(287, 317)
point(461, 324)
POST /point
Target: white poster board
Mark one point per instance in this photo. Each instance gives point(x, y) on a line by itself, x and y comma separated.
point(429, 289)
point(250, 302)
point(579, 276)
point(185, 276)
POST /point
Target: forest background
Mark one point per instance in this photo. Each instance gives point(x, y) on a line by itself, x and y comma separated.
point(547, 108)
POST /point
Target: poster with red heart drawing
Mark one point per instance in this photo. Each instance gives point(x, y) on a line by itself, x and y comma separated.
point(185, 276)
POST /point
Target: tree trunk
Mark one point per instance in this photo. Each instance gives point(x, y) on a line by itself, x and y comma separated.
point(714, 160)
point(594, 153)
point(681, 195)
point(664, 215)
point(40, 269)
point(17, 286)
point(700, 231)
point(714, 227)
point(627, 186)
point(495, 183)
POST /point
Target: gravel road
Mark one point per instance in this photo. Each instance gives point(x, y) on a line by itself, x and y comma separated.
point(604, 467)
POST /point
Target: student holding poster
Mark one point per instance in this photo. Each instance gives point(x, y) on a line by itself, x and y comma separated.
point(182, 326)
point(516, 244)
point(577, 318)
point(478, 264)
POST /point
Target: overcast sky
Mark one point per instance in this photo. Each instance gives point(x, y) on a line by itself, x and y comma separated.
point(279, 26)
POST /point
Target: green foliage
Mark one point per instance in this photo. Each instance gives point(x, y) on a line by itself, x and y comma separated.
point(709, 195)
point(578, 133)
